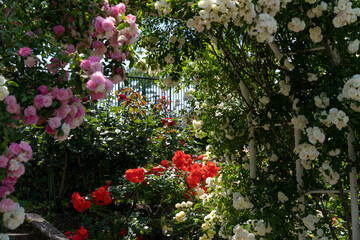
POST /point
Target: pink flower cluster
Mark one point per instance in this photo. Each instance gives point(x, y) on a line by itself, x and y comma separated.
point(69, 115)
point(25, 52)
point(91, 65)
point(99, 85)
point(12, 162)
point(55, 65)
point(115, 47)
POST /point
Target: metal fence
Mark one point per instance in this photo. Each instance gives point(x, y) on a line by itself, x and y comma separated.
point(149, 88)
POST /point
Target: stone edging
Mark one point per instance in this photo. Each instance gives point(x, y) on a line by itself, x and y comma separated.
point(43, 228)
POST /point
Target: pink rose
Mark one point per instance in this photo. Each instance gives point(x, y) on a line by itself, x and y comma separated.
point(96, 67)
point(130, 19)
point(47, 101)
point(91, 85)
point(33, 119)
point(70, 49)
point(59, 30)
point(80, 112)
point(3, 191)
point(108, 24)
point(49, 130)
point(7, 205)
point(3, 161)
point(43, 89)
point(85, 64)
point(29, 111)
point(97, 96)
point(60, 94)
point(30, 62)
point(14, 149)
point(11, 99)
point(9, 182)
point(18, 172)
point(94, 59)
point(62, 111)
point(55, 122)
point(25, 51)
point(98, 44)
point(13, 108)
point(39, 101)
point(114, 54)
point(98, 24)
point(108, 85)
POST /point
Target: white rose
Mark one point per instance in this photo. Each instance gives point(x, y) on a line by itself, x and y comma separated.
point(4, 92)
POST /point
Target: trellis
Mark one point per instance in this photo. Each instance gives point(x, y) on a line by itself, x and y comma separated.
point(297, 136)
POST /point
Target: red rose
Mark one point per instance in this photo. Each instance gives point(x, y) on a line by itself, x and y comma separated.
point(165, 163)
point(135, 175)
point(122, 231)
point(81, 234)
point(80, 203)
point(101, 197)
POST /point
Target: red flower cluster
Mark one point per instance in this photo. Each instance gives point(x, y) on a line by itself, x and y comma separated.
point(168, 122)
point(135, 175)
point(101, 196)
point(123, 97)
point(182, 160)
point(81, 234)
point(165, 163)
point(194, 176)
point(156, 170)
point(80, 203)
point(210, 170)
point(196, 173)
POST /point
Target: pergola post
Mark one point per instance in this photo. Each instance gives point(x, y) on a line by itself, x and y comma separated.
point(299, 175)
point(353, 187)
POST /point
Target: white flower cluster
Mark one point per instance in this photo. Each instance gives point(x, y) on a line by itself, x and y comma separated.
point(322, 101)
point(197, 124)
point(299, 122)
point(180, 41)
point(312, 77)
point(270, 7)
point(335, 117)
point(4, 92)
point(163, 7)
point(260, 227)
point(307, 152)
point(187, 204)
point(240, 202)
point(315, 34)
point(317, 11)
point(180, 216)
point(169, 59)
point(351, 89)
point(170, 83)
point(4, 236)
point(285, 87)
point(273, 158)
point(315, 134)
point(309, 221)
point(282, 197)
point(345, 14)
point(264, 29)
point(264, 100)
point(354, 46)
point(14, 218)
point(329, 174)
point(334, 152)
point(242, 234)
point(319, 235)
point(296, 25)
point(209, 225)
